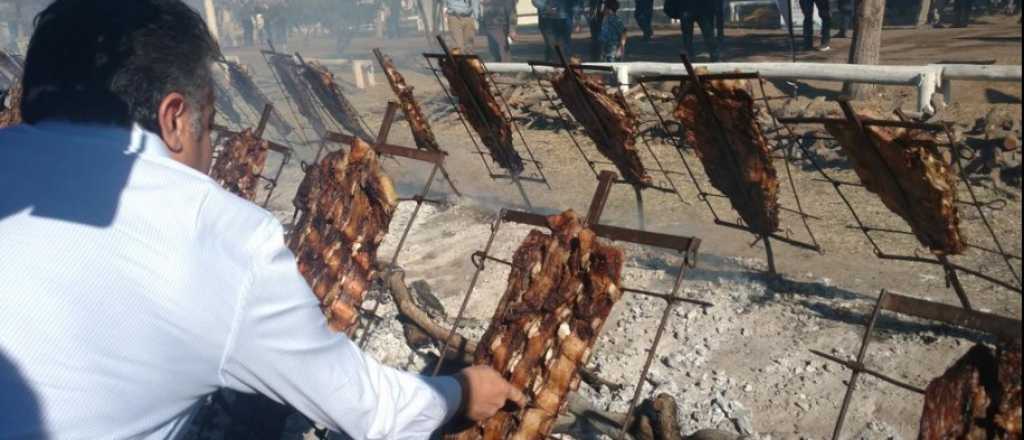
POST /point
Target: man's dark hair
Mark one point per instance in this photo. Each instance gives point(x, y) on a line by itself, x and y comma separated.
point(611, 5)
point(113, 61)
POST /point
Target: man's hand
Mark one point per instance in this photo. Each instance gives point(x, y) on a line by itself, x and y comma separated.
point(513, 35)
point(484, 392)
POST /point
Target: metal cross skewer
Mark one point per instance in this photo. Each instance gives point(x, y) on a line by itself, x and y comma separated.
point(687, 246)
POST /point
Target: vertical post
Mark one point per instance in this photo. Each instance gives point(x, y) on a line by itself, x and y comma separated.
point(604, 187)
point(953, 280)
point(268, 108)
point(211, 19)
point(860, 365)
point(641, 220)
point(389, 119)
point(769, 254)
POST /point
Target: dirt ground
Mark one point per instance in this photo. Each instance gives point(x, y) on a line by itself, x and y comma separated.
point(743, 365)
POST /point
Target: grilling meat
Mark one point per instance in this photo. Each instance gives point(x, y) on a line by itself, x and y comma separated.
point(611, 126)
point(418, 123)
point(289, 73)
point(478, 105)
point(321, 83)
point(739, 165)
point(10, 113)
point(240, 163)
point(346, 202)
point(912, 178)
point(561, 288)
point(243, 83)
point(977, 398)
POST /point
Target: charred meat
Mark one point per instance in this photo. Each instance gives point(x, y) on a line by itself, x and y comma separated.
point(976, 398)
point(738, 161)
point(611, 125)
point(325, 89)
point(240, 163)
point(346, 203)
point(911, 176)
point(468, 83)
point(561, 288)
point(418, 123)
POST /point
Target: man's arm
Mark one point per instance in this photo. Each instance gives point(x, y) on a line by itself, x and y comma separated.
point(280, 346)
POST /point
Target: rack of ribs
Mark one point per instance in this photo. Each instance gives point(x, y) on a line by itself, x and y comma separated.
point(610, 125)
point(10, 113)
point(911, 176)
point(976, 398)
point(418, 123)
point(321, 83)
point(561, 288)
point(240, 163)
point(739, 165)
point(288, 73)
point(346, 203)
point(243, 83)
point(468, 83)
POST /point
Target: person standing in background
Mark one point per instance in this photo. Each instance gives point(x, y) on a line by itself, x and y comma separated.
point(245, 17)
point(499, 22)
point(555, 22)
point(701, 12)
point(825, 13)
point(613, 33)
point(594, 16)
point(461, 16)
point(845, 18)
point(719, 21)
point(643, 14)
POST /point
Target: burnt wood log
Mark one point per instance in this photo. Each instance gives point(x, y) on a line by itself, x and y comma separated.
point(325, 89)
point(561, 288)
point(607, 120)
point(911, 176)
point(240, 163)
point(739, 165)
point(346, 204)
point(979, 397)
point(468, 83)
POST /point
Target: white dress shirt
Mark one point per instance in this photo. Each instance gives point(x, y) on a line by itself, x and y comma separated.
point(131, 286)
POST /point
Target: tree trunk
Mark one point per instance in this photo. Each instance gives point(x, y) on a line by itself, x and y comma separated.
point(924, 8)
point(867, 42)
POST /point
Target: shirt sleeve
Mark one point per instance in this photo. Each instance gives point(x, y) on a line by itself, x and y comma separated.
point(280, 346)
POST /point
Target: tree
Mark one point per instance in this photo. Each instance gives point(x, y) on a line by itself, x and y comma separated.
point(867, 42)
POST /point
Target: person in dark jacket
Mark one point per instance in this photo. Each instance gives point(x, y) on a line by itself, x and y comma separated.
point(499, 24)
point(643, 14)
point(555, 22)
point(701, 12)
point(825, 13)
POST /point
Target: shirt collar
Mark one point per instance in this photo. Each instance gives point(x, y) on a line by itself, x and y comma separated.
point(141, 142)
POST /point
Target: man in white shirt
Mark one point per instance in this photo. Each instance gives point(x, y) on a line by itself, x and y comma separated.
point(131, 285)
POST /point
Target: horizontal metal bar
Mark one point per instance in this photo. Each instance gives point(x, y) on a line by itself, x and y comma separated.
point(521, 178)
point(583, 66)
point(709, 77)
point(391, 150)
point(1006, 329)
point(688, 245)
point(668, 297)
point(443, 56)
point(867, 122)
point(857, 367)
point(778, 237)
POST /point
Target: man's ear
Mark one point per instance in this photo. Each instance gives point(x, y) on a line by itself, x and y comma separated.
point(172, 118)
